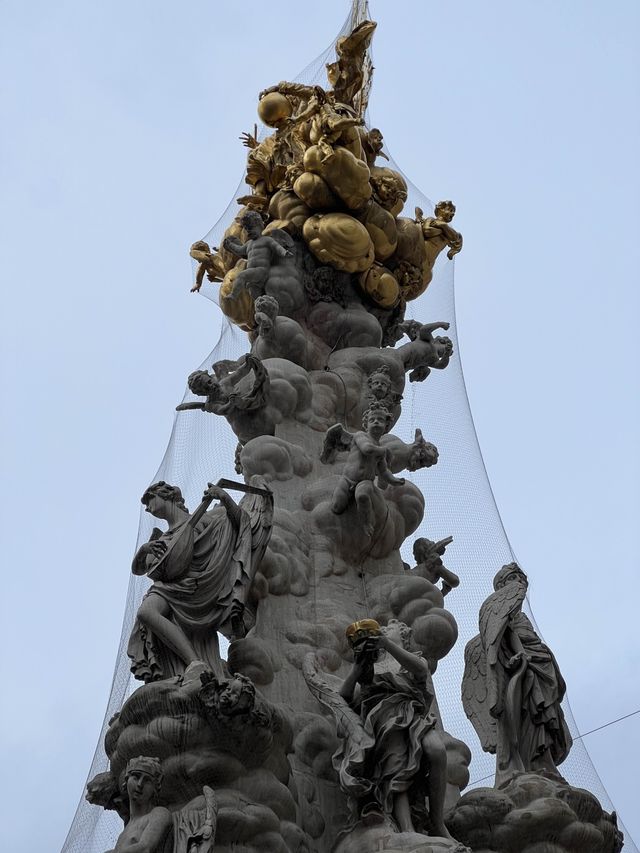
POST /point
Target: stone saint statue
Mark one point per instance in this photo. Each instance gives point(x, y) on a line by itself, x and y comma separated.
point(512, 687)
point(201, 567)
point(392, 759)
point(366, 462)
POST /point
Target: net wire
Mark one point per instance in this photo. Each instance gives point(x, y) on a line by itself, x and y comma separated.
point(458, 498)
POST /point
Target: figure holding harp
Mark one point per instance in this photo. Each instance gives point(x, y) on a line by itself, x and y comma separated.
point(201, 567)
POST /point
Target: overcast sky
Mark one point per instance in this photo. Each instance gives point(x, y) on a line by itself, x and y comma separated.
point(119, 149)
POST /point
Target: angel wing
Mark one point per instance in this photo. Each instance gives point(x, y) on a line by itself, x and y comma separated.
point(336, 440)
point(475, 694)
point(495, 614)
point(494, 619)
point(348, 722)
point(194, 826)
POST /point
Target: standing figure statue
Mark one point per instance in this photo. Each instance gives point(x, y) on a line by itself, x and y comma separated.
point(512, 687)
point(260, 252)
point(367, 461)
point(201, 568)
point(392, 759)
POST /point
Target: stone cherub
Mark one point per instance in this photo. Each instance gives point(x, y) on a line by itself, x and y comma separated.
point(260, 250)
point(512, 687)
point(428, 556)
point(152, 828)
point(425, 351)
point(392, 759)
point(379, 388)
point(403, 456)
point(277, 336)
point(201, 568)
point(367, 461)
point(244, 407)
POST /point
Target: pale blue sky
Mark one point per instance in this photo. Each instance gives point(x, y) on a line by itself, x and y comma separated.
point(119, 148)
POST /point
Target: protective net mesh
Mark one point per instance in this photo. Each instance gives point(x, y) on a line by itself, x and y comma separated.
point(458, 498)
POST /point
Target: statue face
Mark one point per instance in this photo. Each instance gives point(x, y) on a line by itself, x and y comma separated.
point(234, 699)
point(379, 386)
point(376, 424)
point(264, 323)
point(393, 632)
point(252, 226)
point(375, 139)
point(417, 459)
point(141, 788)
point(155, 505)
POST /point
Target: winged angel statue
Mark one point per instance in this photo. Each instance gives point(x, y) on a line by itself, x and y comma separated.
point(512, 687)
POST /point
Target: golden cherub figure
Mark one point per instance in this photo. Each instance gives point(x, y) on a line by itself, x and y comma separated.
point(209, 263)
point(437, 231)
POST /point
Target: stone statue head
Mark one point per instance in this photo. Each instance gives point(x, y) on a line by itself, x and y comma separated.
point(399, 632)
point(102, 790)
point(266, 311)
point(379, 382)
point(162, 491)
point(422, 548)
point(143, 779)
point(203, 384)
point(423, 453)
point(377, 420)
point(237, 696)
point(507, 574)
point(252, 223)
point(445, 210)
point(444, 345)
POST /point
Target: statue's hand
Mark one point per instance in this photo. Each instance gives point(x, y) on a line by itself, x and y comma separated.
point(215, 493)
point(249, 140)
point(156, 548)
point(516, 660)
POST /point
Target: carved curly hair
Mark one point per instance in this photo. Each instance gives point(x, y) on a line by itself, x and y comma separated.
point(378, 408)
point(165, 491)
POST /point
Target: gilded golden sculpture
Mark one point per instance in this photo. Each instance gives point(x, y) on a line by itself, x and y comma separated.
point(315, 177)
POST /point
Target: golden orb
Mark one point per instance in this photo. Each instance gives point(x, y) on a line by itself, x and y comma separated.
point(360, 630)
point(273, 108)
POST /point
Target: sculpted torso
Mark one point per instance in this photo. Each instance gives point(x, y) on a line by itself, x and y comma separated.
point(364, 459)
point(150, 829)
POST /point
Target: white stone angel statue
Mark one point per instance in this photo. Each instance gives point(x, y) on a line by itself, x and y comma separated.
point(512, 687)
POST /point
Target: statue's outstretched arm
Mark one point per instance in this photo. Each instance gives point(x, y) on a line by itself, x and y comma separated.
point(417, 666)
point(386, 476)
point(427, 328)
point(233, 245)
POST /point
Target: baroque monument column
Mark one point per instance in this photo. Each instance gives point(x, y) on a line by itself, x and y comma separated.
point(321, 730)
